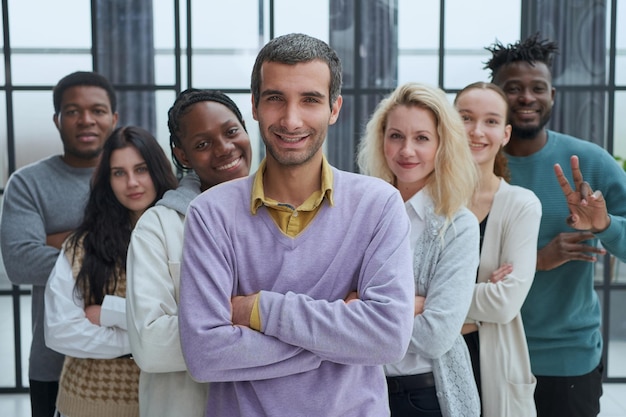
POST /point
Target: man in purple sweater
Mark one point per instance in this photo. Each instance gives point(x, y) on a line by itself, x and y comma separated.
point(296, 282)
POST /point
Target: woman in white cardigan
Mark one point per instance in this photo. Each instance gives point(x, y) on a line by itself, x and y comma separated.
point(509, 217)
point(207, 136)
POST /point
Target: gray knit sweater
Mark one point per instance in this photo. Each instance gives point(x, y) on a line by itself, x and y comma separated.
point(42, 198)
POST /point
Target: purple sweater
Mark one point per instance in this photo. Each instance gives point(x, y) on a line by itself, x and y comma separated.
point(316, 355)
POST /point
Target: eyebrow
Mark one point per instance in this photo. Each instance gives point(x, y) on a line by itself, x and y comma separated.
point(134, 166)
point(488, 114)
point(303, 94)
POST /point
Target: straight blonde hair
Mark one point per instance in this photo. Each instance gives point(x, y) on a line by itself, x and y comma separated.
point(455, 177)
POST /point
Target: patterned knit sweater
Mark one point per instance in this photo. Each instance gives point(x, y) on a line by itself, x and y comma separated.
point(98, 387)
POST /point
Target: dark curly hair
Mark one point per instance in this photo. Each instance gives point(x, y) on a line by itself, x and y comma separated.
point(531, 50)
point(104, 233)
point(181, 106)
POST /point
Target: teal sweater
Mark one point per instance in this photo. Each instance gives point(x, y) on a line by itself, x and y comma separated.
point(562, 313)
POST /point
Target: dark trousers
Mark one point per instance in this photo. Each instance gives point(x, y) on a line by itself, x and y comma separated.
point(409, 400)
point(43, 397)
point(569, 396)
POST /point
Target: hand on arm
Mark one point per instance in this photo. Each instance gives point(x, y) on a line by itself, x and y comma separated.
point(501, 273)
point(241, 309)
point(92, 313)
point(56, 239)
point(419, 305)
point(587, 208)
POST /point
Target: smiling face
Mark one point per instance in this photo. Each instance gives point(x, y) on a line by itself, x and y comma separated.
point(131, 181)
point(410, 144)
point(213, 143)
point(84, 121)
point(294, 112)
point(530, 94)
point(484, 115)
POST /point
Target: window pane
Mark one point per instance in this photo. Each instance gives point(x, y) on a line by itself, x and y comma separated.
point(27, 69)
point(222, 71)
point(619, 133)
point(465, 54)
point(460, 71)
point(418, 68)
point(493, 20)
point(36, 135)
point(7, 350)
point(56, 24)
point(4, 152)
point(288, 17)
point(617, 335)
point(220, 59)
point(620, 43)
point(418, 25)
point(164, 42)
point(7, 377)
point(418, 42)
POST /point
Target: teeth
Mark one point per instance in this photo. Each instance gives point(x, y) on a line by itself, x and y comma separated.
point(229, 166)
point(290, 140)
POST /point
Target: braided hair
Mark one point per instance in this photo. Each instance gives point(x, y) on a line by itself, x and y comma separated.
point(182, 105)
point(530, 50)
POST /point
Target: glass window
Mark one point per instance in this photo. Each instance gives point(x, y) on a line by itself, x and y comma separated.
point(315, 24)
point(219, 57)
point(27, 68)
point(620, 44)
point(36, 135)
point(7, 376)
point(617, 335)
point(465, 54)
point(56, 24)
point(165, 42)
point(418, 42)
point(4, 155)
point(619, 133)
point(418, 68)
point(222, 71)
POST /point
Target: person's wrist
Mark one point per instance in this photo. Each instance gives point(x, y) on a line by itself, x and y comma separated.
point(602, 227)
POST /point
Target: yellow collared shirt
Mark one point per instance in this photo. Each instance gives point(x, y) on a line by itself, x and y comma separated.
point(290, 220)
point(293, 220)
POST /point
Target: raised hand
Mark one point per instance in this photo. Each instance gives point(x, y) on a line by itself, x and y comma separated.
point(587, 208)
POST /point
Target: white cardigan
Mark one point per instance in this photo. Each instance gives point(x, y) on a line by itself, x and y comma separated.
point(153, 278)
point(510, 237)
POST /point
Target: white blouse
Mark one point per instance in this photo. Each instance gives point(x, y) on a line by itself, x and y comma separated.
point(66, 328)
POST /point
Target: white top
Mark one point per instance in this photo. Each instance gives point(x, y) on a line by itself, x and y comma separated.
point(413, 364)
point(66, 328)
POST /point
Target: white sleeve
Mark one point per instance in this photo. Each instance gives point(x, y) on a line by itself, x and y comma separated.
point(113, 312)
point(66, 328)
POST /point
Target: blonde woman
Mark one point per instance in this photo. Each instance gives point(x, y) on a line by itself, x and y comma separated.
point(509, 219)
point(415, 140)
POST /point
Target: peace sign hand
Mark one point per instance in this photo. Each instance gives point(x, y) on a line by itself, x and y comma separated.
point(587, 209)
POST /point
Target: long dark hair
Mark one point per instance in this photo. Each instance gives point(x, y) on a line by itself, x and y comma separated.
point(104, 233)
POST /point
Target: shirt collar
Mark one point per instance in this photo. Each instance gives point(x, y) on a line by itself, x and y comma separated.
point(418, 203)
point(258, 193)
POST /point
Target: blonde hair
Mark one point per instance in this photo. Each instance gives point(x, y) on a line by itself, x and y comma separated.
point(455, 178)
